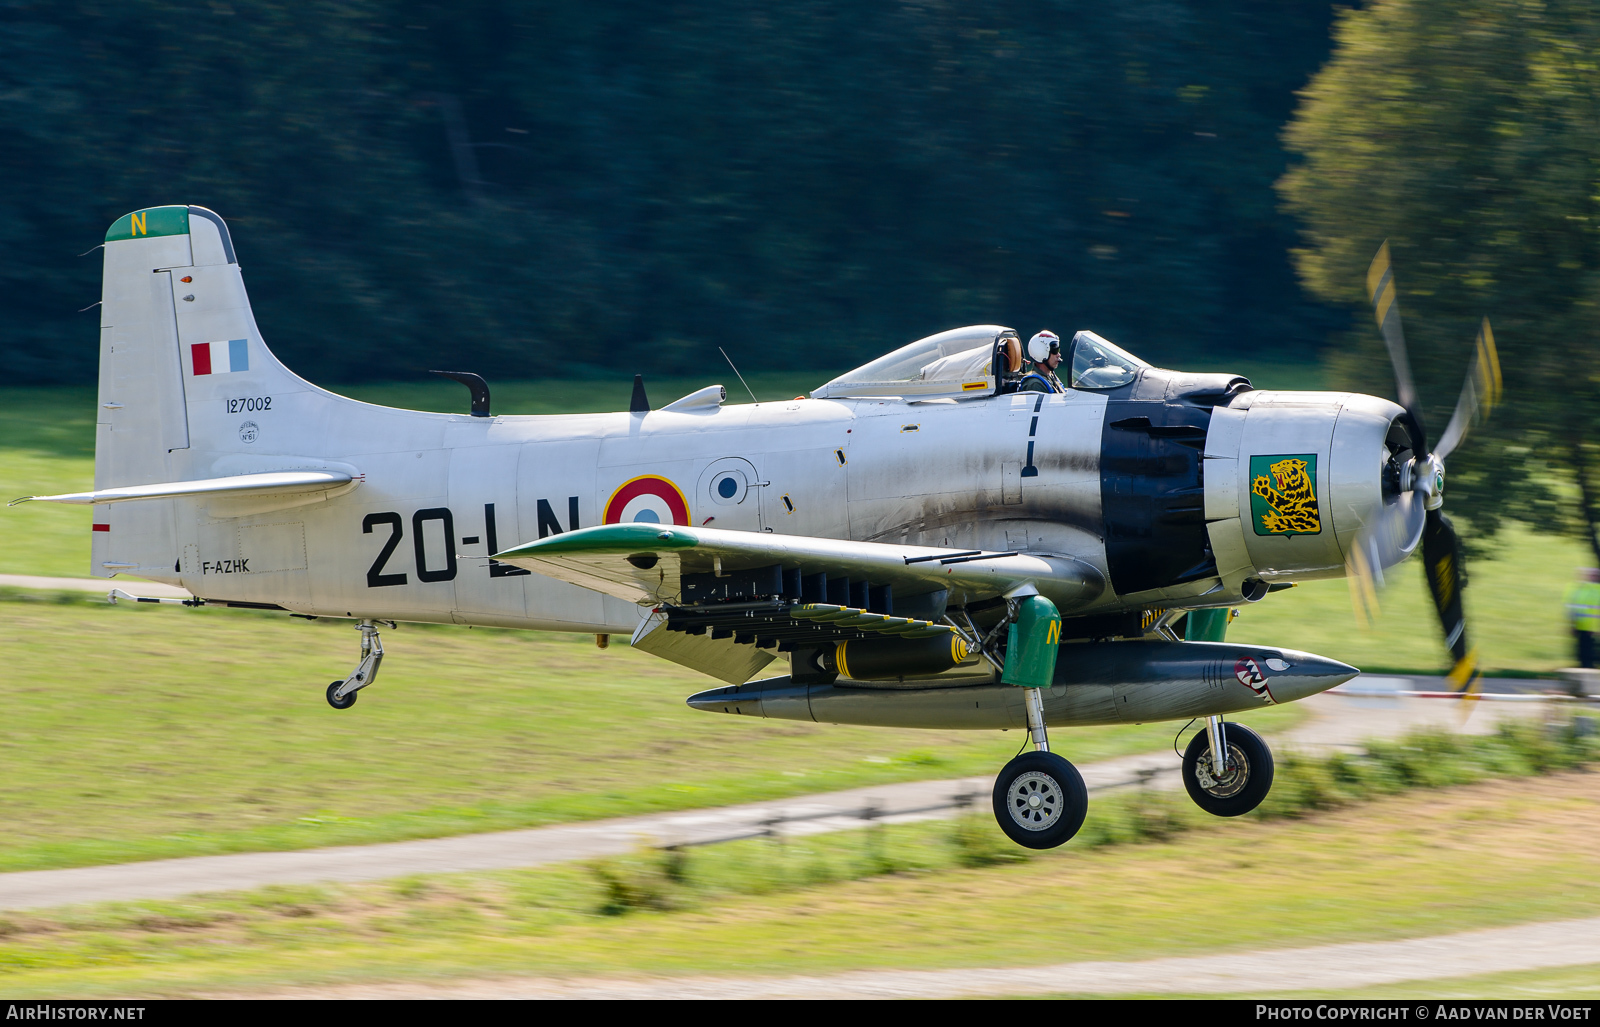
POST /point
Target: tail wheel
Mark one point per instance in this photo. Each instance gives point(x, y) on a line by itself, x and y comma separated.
point(1040, 800)
point(1241, 785)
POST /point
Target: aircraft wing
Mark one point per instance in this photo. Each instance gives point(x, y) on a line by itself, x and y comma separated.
point(688, 566)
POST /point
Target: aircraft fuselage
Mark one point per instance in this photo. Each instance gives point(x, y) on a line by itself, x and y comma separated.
point(439, 493)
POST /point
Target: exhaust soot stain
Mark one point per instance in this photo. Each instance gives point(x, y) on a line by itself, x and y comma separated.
point(937, 513)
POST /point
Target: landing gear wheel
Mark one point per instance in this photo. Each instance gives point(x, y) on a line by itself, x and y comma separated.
point(337, 703)
point(1040, 800)
point(1245, 782)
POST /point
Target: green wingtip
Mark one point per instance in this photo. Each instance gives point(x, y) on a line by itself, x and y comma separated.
point(603, 539)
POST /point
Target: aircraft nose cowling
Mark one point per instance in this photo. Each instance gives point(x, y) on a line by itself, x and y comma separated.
point(1300, 675)
point(1291, 480)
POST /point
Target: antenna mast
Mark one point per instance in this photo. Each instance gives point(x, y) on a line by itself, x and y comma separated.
point(746, 384)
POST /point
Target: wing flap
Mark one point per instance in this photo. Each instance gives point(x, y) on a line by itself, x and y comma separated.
point(722, 658)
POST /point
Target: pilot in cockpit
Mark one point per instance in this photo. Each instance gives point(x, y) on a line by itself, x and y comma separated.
point(1044, 351)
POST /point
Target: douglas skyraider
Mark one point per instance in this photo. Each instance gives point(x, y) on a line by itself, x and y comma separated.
point(948, 536)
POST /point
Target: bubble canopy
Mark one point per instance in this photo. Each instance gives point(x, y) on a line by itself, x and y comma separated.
point(924, 367)
point(960, 362)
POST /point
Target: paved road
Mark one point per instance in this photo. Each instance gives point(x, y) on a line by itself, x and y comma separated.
point(1336, 722)
point(1323, 968)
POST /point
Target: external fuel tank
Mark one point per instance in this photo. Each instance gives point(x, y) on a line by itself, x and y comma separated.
point(1095, 683)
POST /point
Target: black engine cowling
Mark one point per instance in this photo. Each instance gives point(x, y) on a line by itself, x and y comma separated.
point(1152, 484)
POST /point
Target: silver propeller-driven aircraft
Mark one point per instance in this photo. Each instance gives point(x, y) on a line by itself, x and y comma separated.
point(916, 544)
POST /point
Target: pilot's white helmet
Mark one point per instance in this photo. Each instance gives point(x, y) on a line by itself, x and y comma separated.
point(1042, 345)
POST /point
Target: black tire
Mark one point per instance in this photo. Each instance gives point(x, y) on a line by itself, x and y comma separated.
point(1231, 796)
point(1040, 800)
point(340, 704)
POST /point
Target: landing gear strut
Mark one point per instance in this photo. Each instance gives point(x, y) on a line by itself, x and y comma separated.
point(1039, 798)
point(342, 694)
point(1227, 770)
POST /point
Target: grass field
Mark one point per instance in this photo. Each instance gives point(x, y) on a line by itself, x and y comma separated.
point(1424, 863)
point(1514, 610)
point(141, 732)
point(158, 701)
point(134, 734)
point(138, 733)
point(186, 732)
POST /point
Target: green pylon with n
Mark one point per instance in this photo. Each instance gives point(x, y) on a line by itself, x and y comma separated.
point(1031, 644)
point(1207, 625)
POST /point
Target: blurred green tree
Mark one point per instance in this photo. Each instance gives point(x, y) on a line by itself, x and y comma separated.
point(1468, 135)
point(527, 188)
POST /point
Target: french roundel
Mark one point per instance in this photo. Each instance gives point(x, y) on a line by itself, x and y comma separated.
point(647, 499)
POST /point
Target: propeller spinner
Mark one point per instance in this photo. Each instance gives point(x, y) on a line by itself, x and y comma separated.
point(1414, 481)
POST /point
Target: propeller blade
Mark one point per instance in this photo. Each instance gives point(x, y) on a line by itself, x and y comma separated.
point(1441, 559)
point(1404, 524)
point(1479, 393)
point(1360, 573)
point(1386, 308)
point(1464, 676)
point(1407, 520)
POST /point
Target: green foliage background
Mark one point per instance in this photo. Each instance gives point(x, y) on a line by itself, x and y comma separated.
point(1468, 135)
point(519, 188)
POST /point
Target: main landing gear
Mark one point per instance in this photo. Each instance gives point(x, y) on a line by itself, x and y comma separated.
point(1246, 770)
point(342, 694)
point(1227, 768)
point(1039, 798)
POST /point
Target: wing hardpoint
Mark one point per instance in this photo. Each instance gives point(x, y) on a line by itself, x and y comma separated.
point(786, 592)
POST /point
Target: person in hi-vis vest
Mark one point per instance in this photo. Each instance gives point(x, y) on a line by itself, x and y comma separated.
point(1583, 610)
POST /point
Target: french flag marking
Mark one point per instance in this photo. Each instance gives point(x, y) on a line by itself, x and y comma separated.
point(220, 357)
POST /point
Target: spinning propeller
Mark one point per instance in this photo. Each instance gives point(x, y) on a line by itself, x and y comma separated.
point(1413, 482)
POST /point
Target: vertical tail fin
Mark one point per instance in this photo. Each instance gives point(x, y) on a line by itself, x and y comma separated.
point(176, 335)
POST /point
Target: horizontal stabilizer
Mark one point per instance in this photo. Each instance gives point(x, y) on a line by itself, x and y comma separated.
point(269, 483)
